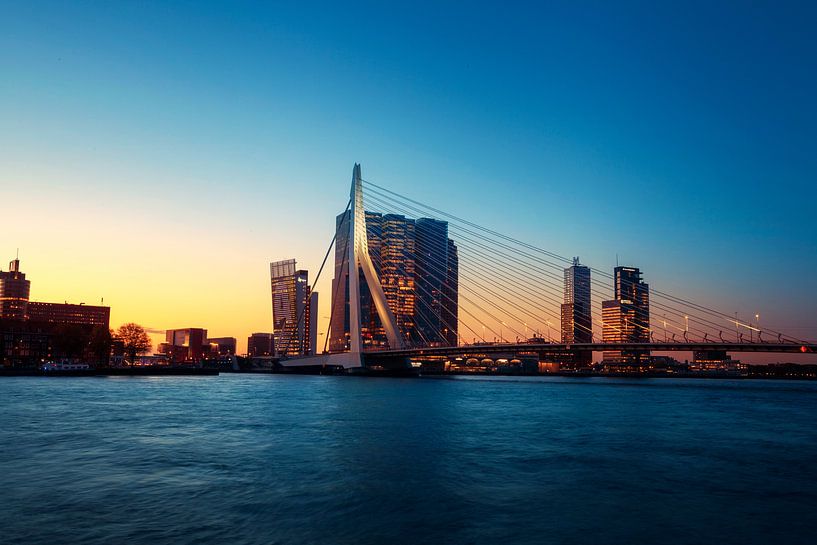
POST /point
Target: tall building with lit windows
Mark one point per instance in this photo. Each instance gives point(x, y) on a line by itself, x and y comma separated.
point(417, 266)
point(294, 323)
point(14, 292)
point(397, 270)
point(626, 319)
point(577, 324)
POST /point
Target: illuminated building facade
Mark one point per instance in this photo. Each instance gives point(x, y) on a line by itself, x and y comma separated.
point(577, 325)
point(626, 319)
point(64, 313)
point(294, 325)
point(418, 268)
point(14, 292)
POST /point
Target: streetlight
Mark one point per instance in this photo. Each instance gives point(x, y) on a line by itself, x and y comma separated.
point(737, 332)
point(548, 322)
point(501, 338)
point(686, 324)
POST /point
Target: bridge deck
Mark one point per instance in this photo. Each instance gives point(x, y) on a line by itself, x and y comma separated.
point(494, 348)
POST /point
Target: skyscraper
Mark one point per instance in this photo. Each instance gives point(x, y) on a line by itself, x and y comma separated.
point(339, 324)
point(291, 314)
point(577, 324)
point(14, 292)
point(431, 262)
point(417, 266)
point(450, 302)
point(626, 319)
point(397, 271)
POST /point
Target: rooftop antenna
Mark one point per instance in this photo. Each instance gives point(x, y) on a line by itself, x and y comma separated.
point(616, 260)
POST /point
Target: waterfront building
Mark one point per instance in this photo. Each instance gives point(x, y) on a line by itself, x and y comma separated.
point(292, 325)
point(715, 362)
point(259, 344)
point(431, 262)
point(576, 320)
point(417, 265)
point(65, 313)
point(339, 312)
point(24, 344)
point(223, 346)
point(14, 292)
point(188, 344)
point(626, 319)
point(450, 301)
point(577, 324)
point(397, 271)
point(312, 323)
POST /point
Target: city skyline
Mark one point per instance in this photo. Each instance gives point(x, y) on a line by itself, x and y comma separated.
point(124, 179)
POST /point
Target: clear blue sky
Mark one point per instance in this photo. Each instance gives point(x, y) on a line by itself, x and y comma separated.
point(683, 138)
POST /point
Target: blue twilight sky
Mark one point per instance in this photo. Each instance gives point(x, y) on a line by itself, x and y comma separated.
point(211, 138)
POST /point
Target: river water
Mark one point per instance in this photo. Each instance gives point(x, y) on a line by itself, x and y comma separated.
point(296, 459)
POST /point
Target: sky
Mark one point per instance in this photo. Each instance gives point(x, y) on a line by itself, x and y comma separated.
point(160, 154)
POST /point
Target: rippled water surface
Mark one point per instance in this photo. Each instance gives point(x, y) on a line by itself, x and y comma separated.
point(291, 459)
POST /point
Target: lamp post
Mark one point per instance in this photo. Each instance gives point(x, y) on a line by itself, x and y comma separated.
point(737, 332)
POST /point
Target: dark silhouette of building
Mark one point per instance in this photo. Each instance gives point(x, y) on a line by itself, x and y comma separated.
point(259, 344)
point(223, 346)
point(24, 344)
point(32, 332)
point(14, 292)
point(450, 302)
point(185, 345)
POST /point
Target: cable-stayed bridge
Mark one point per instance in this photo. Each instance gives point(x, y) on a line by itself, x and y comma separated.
point(412, 281)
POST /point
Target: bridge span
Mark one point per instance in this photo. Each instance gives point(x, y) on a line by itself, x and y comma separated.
point(427, 293)
point(500, 348)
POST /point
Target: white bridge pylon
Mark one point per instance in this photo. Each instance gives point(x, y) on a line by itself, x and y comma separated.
point(358, 259)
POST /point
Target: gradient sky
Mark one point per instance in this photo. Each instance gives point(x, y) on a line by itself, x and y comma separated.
point(160, 154)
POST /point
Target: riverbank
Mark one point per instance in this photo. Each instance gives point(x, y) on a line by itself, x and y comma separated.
point(148, 371)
